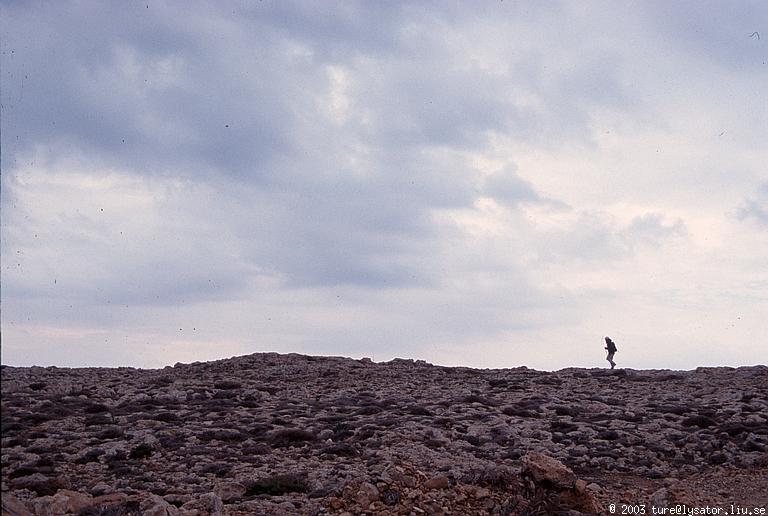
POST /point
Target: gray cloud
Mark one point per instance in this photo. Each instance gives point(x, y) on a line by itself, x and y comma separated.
point(723, 39)
point(652, 228)
point(275, 157)
point(508, 187)
point(755, 209)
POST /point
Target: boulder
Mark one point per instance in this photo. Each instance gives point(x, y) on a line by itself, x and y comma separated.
point(208, 504)
point(553, 475)
point(154, 505)
point(12, 506)
point(230, 491)
point(67, 501)
point(367, 494)
point(543, 469)
point(438, 482)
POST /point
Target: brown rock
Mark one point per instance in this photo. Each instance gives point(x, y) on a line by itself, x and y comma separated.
point(45, 505)
point(154, 505)
point(546, 470)
point(582, 501)
point(110, 499)
point(367, 494)
point(39, 483)
point(73, 501)
point(63, 502)
point(12, 506)
point(438, 482)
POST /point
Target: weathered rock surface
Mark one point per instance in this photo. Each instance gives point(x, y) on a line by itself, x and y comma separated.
point(292, 434)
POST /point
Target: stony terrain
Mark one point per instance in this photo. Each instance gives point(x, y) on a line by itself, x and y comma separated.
point(292, 434)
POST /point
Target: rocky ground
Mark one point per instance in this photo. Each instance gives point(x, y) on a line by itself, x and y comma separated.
point(292, 434)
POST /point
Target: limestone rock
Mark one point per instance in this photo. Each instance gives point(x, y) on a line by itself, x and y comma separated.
point(72, 501)
point(544, 469)
point(154, 505)
point(367, 494)
point(437, 482)
point(12, 506)
point(208, 504)
point(230, 491)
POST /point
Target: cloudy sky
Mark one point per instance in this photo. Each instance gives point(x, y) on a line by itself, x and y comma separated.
point(489, 184)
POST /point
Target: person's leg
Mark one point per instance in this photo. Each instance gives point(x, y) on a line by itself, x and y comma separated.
point(610, 360)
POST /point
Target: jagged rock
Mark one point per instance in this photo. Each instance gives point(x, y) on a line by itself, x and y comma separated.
point(546, 470)
point(581, 499)
point(367, 494)
point(208, 504)
point(154, 505)
point(39, 483)
point(553, 474)
point(72, 501)
point(660, 498)
point(107, 500)
point(230, 491)
point(482, 493)
point(12, 506)
point(438, 482)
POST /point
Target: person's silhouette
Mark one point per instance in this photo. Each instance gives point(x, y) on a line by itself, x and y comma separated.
point(611, 348)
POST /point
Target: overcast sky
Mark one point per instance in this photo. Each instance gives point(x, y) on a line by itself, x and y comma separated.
point(490, 184)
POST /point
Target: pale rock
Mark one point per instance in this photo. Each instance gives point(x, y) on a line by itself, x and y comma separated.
point(72, 501)
point(110, 499)
point(482, 492)
point(208, 504)
point(154, 505)
point(594, 487)
point(660, 498)
point(230, 491)
point(285, 508)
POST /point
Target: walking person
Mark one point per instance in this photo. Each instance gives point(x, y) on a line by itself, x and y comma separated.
point(611, 348)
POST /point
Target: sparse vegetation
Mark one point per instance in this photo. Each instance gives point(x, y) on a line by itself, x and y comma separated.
point(277, 485)
point(291, 437)
point(142, 451)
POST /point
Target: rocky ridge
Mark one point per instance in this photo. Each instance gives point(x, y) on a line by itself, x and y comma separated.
point(292, 434)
